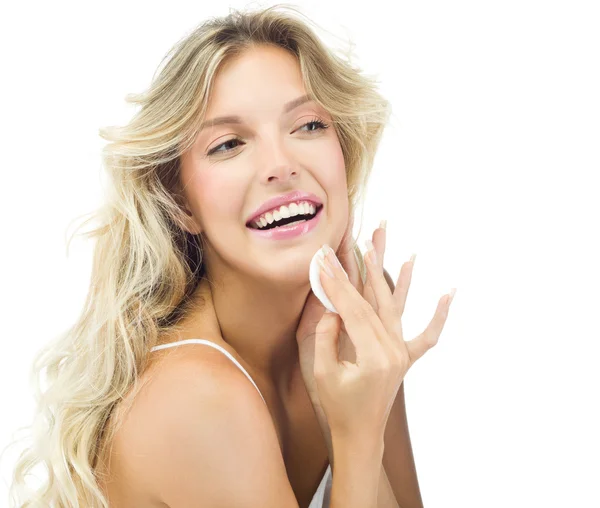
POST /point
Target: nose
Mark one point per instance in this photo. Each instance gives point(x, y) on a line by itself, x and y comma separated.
point(278, 164)
point(282, 173)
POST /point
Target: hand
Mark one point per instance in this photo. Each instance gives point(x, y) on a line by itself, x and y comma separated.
point(347, 257)
point(378, 295)
point(305, 334)
point(313, 312)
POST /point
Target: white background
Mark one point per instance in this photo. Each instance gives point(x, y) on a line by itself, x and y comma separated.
point(488, 171)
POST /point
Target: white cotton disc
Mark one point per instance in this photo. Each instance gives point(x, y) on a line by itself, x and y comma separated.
point(315, 282)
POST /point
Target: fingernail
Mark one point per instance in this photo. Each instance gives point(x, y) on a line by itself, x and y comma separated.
point(412, 258)
point(325, 268)
point(329, 256)
point(383, 224)
point(371, 251)
point(452, 293)
point(331, 259)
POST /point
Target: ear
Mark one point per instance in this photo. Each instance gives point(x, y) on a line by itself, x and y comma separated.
point(185, 215)
point(189, 222)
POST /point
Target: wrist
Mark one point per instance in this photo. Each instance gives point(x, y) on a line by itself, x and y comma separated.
point(364, 448)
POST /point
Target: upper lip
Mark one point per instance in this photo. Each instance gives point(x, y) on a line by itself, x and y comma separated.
point(284, 199)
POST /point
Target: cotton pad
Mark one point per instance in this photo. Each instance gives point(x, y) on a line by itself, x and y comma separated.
point(315, 281)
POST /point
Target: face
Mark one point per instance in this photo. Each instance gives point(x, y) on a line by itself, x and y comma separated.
point(234, 168)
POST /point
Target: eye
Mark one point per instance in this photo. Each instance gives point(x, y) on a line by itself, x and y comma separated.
point(320, 125)
point(316, 122)
point(216, 148)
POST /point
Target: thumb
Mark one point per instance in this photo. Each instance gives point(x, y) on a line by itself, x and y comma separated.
point(327, 334)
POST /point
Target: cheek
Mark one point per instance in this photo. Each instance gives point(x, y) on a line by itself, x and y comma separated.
point(216, 199)
point(337, 175)
point(339, 186)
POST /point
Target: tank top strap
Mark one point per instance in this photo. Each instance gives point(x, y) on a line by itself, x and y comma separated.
point(322, 497)
point(213, 345)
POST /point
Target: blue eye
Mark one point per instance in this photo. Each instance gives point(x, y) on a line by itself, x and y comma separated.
point(317, 123)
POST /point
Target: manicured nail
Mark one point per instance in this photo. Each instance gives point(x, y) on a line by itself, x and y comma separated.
point(330, 257)
point(383, 224)
point(452, 293)
point(325, 268)
point(412, 258)
point(371, 251)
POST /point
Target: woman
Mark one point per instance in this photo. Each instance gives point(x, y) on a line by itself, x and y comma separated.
point(181, 264)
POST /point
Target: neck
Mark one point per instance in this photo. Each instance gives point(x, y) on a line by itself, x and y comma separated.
point(257, 319)
point(260, 321)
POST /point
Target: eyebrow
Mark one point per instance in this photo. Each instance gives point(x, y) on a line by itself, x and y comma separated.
point(287, 107)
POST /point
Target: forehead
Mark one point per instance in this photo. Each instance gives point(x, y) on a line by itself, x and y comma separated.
point(260, 78)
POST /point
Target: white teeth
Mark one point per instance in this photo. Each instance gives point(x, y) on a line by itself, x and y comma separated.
point(284, 211)
point(293, 209)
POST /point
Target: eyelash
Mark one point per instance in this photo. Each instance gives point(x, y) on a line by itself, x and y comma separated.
point(318, 123)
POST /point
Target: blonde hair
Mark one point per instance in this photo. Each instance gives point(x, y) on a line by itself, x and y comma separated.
point(145, 264)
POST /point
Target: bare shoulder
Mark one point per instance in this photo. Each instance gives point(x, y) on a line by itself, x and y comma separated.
point(199, 433)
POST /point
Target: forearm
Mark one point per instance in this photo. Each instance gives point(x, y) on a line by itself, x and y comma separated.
point(398, 458)
point(385, 494)
point(356, 475)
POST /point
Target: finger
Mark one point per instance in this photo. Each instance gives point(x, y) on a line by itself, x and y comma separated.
point(360, 320)
point(418, 346)
point(378, 240)
point(387, 307)
point(403, 283)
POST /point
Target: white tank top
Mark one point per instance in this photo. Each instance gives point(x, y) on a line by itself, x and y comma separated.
point(322, 496)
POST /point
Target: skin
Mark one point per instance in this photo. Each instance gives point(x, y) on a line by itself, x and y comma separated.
point(259, 286)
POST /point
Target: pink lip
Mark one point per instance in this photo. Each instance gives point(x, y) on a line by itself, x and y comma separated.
point(287, 232)
point(278, 201)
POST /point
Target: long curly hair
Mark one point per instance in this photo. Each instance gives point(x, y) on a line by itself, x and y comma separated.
point(145, 264)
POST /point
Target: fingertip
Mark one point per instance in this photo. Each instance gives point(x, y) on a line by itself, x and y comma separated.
point(325, 272)
point(451, 295)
